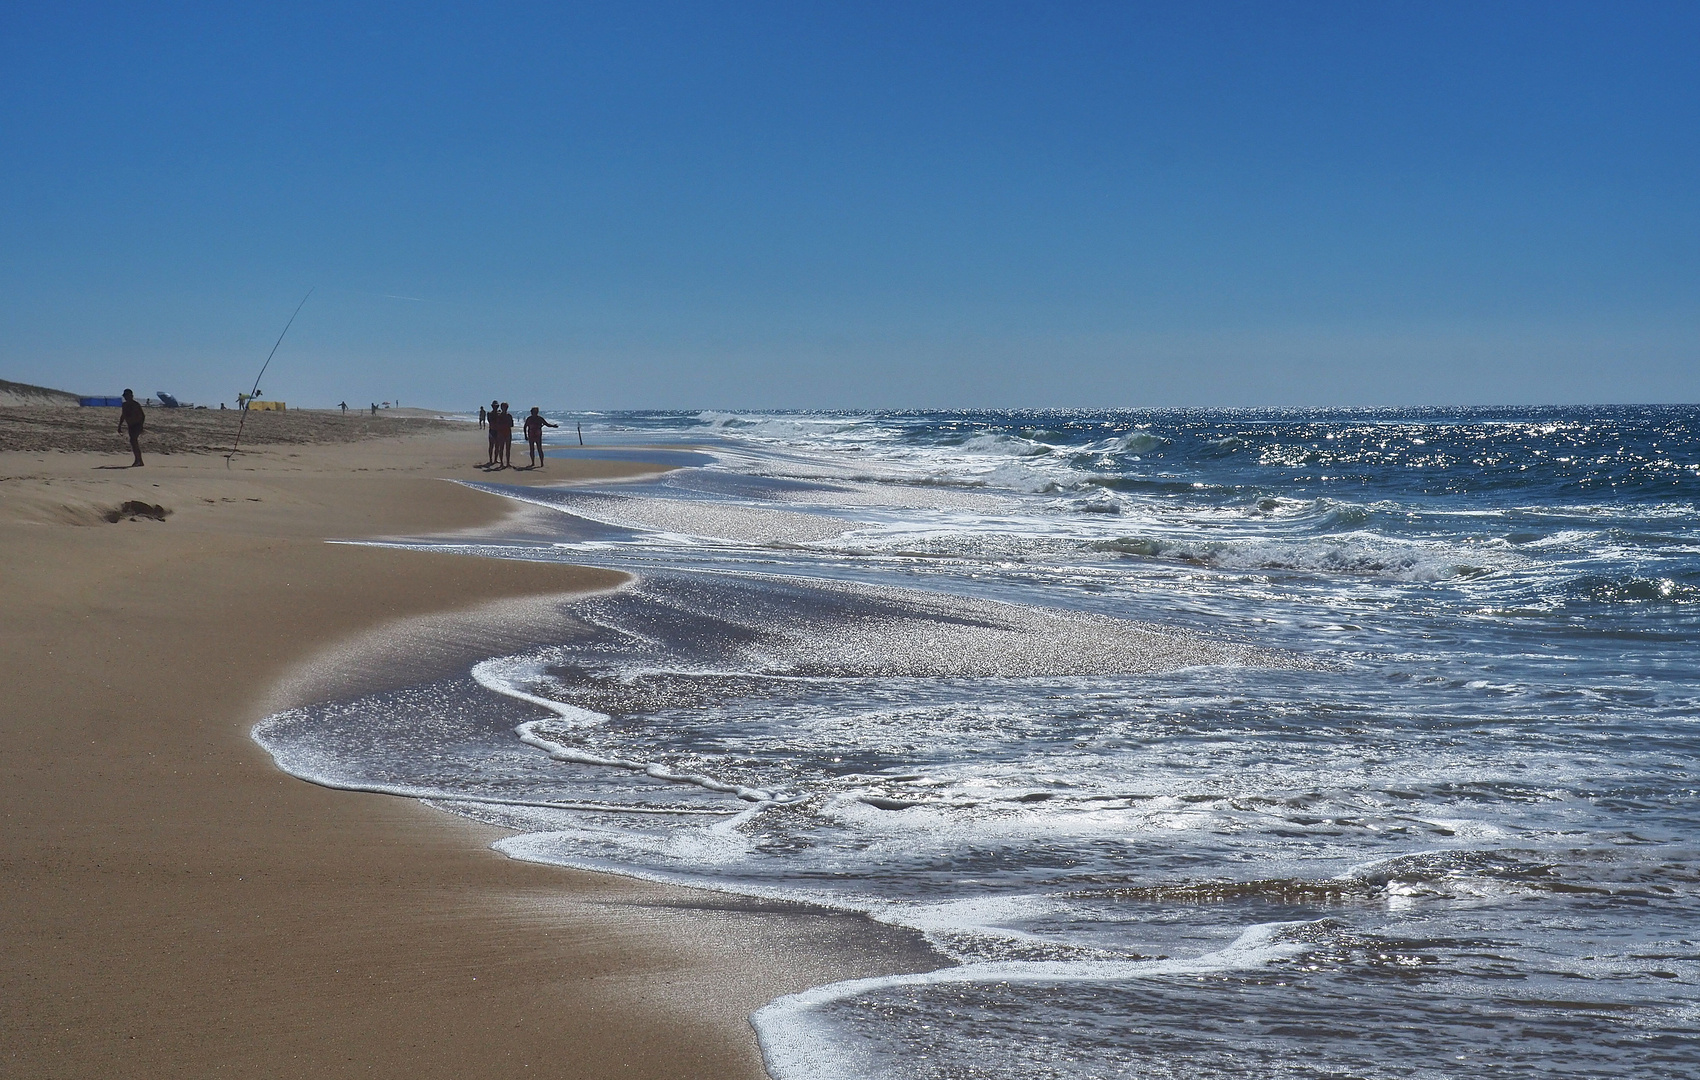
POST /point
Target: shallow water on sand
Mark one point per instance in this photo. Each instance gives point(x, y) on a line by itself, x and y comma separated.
point(1205, 744)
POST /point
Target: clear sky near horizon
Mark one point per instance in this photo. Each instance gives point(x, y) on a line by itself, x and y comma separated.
point(855, 205)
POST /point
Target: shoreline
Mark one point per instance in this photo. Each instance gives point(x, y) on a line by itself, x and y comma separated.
point(178, 904)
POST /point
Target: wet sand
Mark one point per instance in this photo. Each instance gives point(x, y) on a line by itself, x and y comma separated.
point(175, 905)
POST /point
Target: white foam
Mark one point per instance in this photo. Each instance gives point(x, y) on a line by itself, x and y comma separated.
point(499, 676)
point(324, 773)
point(997, 444)
point(797, 1046)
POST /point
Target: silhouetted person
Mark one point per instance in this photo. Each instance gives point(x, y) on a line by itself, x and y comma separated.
point(344, 405)
point(506, 442)
point(481, 415)
point(534, 425)
point(374, 408)
point(495, 433)
point(131, 416)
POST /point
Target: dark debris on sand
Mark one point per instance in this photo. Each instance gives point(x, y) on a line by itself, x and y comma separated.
point(136, 509)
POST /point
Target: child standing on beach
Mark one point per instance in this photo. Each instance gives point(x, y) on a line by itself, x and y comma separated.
point(534, 425)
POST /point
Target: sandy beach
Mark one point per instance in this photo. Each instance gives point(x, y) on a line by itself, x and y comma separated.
point(175, 905)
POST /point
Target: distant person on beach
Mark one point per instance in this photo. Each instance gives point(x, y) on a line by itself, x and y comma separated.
point(481, 415)
point(344, 408)
point(374, 408)
point(534, 425)
point(131, 416)
point(495, 426)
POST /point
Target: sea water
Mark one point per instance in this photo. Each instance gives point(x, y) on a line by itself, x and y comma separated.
point(1199, 744)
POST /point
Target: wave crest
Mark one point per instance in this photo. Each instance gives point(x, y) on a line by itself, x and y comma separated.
point(1359, 553)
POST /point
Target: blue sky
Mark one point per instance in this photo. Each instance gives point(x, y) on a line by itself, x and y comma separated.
point(855, 205)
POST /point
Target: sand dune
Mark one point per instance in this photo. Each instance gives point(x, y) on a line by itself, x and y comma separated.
point(17, 394)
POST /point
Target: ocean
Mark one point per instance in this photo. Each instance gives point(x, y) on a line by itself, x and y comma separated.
point(1199, 744)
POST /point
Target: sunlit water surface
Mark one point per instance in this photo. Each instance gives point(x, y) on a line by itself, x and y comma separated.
point(1346, 744)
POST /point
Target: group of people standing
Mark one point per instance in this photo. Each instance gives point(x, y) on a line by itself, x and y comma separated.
point(501, 428)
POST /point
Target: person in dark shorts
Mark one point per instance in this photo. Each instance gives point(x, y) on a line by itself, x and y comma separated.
point(482, 415)
point(131, 416)
point(494, 432)
point(534, 425)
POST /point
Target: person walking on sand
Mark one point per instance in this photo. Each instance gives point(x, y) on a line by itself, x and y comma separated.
point(494, 433)
point(534, 425)
point(481, 415)
point(344, 405)
point(131, 416)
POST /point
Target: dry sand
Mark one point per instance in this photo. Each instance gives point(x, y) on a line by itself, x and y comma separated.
point(169, 431)
point(173, 905)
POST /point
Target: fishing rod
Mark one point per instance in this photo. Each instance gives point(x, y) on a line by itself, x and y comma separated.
point(242, 421)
